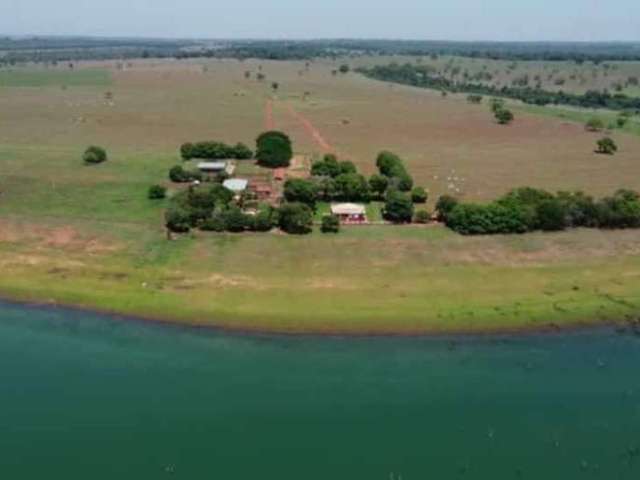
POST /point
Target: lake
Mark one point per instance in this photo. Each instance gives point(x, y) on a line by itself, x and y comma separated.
point(89, 396)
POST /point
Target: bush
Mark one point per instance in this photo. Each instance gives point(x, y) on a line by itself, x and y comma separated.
point(215, 223)
point(299, 190)
point(398, 208)
point(580, 209)
point(274, 149)
point(234, 220)
point(178, 174)
point(476, 219)
point(177, 220)
point(263, 220)
point(157, 192)
point(504, 117)
point(606, 146)
point(552, 215)
point(422, 216)
point(444, 206)
point(330, 224)
point(215, 151)
point(594, 124)
point(620, 211)
point(295, 218)
point(94, 155)
point(419, 195)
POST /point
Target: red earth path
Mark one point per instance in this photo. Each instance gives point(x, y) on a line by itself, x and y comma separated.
point(269, 122)
point(311, 130)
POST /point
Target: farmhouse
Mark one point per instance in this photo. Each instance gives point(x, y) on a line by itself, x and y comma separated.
point(349, 213)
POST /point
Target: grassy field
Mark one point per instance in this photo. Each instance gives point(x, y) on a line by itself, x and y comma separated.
point(88, 236)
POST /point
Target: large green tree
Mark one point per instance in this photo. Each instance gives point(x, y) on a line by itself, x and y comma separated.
point(274, 149)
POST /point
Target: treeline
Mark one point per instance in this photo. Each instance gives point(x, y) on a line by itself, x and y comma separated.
point(424, 77)
point(215, 151)
point(48, 49)
point(529, 209)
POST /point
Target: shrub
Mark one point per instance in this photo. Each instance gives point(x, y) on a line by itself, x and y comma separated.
point(330, 224)
point(474, 99)
point(215, 223)
point(422, 216)
point(398, 208)
point(234, 219)
point(295, 218)
point(504, 117)
point(177, 219)
point(263, 220)
point(299, 190)
point(94, 155)
point(419, 195)
point(606, 146)
point(157, 192)
point(444, 206)
point(551, 215)
point(580, 209)
point(492, 218)
point(620, 211)
point(496, 104)
point(274, 149)
point(344, 68)
point(215, 151)
point(594, 124)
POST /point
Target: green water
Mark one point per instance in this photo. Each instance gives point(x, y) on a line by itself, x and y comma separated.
point(89, 397)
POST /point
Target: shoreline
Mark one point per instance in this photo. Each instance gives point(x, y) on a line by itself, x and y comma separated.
point(548, 329)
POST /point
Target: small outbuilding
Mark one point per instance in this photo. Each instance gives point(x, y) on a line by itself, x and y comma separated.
point(350, 213)
point(216, 167)
point(236, 185)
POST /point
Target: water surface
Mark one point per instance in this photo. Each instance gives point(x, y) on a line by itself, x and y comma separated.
point(87, 396)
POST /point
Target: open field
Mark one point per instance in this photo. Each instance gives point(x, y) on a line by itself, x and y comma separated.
point(88, 236)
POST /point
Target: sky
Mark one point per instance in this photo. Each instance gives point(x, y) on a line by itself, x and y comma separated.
point(501, 20)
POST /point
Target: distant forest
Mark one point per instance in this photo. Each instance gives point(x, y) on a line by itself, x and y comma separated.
point(425, 77)
point(55, 49)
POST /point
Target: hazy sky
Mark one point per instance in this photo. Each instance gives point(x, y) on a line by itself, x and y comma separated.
point(416, 19)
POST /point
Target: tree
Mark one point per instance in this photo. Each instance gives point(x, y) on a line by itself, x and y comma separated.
point(263, 220)
point(242, 152)
point(504, 117)
point(273, 149)
point(295, 218)
point(378, 185)
point(352, 187)
point(419, 195)
point(94, 155)
point(347, 167)
point(330, 224)
point(607, 146)
point(398, 208)
point(327, 167)
point(177, 220)
point(594, 124)
point(275, 86)
point(300, 190)
point(178, 174)
point(157, 192)
point(344, 68)
point(187, 151)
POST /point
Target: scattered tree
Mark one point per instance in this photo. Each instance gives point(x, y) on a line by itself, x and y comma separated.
point(607, 146)
point(94, 155)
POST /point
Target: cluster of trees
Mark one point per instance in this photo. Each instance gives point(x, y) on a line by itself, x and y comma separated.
point(215, 151)
point(529, 209)
point(211, 208)
point(424, 77)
